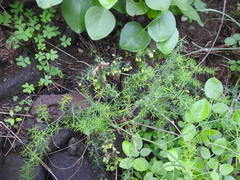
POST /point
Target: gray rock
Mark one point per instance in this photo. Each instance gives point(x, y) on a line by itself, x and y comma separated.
point(11, 166)
point(13, 86)
point(52, 102)
point(76, 147)
point(1, 158)
point(65, 167)
point(59, 140)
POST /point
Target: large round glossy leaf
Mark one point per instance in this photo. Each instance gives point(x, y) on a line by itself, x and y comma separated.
point(134, 37)
point(213, 88)
point(161, 5)
point(107, 3)
point(162, 28)
point(135, 8)
point(73, 12)
point(99, 22)
point(167, 46)
point(44, 4)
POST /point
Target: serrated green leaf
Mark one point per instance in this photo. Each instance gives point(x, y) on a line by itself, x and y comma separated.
point(99, 22)
point(134, 37)
point(162, 28)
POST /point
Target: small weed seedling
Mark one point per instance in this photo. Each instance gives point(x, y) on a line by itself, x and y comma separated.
point(34, 29)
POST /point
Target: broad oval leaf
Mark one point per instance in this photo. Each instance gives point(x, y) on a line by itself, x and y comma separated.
point(137, 141)
point(162, 28)
point(126, 163)
point(135, 8)
point(229, 41)
point(213, 163)
point(167, 46)
point(226, 169)
point(145, 151)
point(168, 166)
point(218, 149)
point(148, 176)
point(198, 112)
point(99, 22)
point(205, 153)
point(134, 37)
point(219, 108)
point(107, 3)
point(73, 12)
point(44, 4)
point(211, 132)
point(188, 132)
point(236, 116)
point(129, 149)
point(213, 88)
point(162, 5)
point(172, 155)
point(140, 164)
point(215, 175)
point(156, 167)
